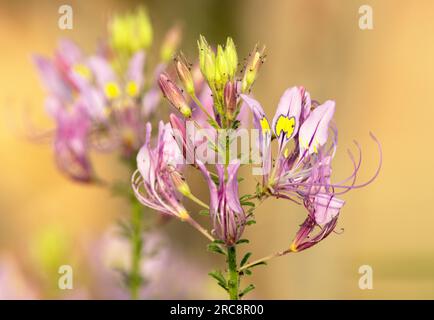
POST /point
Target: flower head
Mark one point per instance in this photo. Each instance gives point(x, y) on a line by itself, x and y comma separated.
point(116, 99)
point(153, 182)
point(227, 215)
point(302, 169)
point(70, 142)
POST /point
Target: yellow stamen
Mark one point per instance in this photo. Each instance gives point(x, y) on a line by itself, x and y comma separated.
point(112, 90)
point(132, 89)
point(82, 71)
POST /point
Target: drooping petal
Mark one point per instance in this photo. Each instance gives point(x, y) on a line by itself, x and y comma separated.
point(105, 77)
point(286, 121)
point(314, 131)
point(232, 194)
point(306, 104)
point(68, 53)
point(327, 207)
point(305, 237)
point(51, 78)
point(213, 193)
point(70, 143)
point(171, 155)
point(150, 101)
point(261, 123)
point(135, 74)
point(144, 160)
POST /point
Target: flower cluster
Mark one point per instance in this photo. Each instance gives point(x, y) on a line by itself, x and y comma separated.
point(217, 99)
point(103, 101)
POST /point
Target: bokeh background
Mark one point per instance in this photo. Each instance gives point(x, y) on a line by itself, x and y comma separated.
point(381, 79)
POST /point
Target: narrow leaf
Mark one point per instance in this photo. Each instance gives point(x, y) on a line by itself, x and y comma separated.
point(249, 288)
point(213, 247)
point(245, 259)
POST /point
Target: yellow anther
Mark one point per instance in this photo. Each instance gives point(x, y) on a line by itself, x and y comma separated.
point(293, 247)
point(82, 71)
point(112, 90)
point(132, 89)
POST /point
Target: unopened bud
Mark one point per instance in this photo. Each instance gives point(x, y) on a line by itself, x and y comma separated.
point(222, 69)
point(252, 67)
point(174, 95)
point(184, 74)
point(202, 45)
point(131, 32)
point(207, 60)
point(209, 70)
point(230, 99)
point(231, 57)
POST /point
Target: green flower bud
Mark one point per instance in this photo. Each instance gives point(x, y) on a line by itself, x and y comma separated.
point(222, 69)
point(144, 31)
point(207, 61)
point(130, 33)
point(231, 57)
point(210, 68)
point(252, 67)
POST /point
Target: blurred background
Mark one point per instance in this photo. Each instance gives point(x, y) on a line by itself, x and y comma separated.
point(380, 79)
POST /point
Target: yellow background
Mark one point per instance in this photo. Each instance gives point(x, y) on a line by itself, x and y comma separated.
point(381, 79)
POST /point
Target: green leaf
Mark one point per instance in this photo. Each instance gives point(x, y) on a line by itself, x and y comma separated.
point(247, 203)
point(246, 196)
point(245, 258)
point(216, 274)
point(204, 212)
point(249, 288)
point(240, 179)
point(218, 241)
point(242, 241)
point(213, 247)
point(250, 222)
point(247, 272)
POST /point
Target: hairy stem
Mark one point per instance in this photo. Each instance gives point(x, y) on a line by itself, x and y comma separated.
point(135, 279)
point(233, 276)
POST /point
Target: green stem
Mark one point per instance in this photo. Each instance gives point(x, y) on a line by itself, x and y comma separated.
point(136, 248)
point(233, 277)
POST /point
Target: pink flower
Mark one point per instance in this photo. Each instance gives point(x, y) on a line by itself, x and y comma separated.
point(227, 215)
